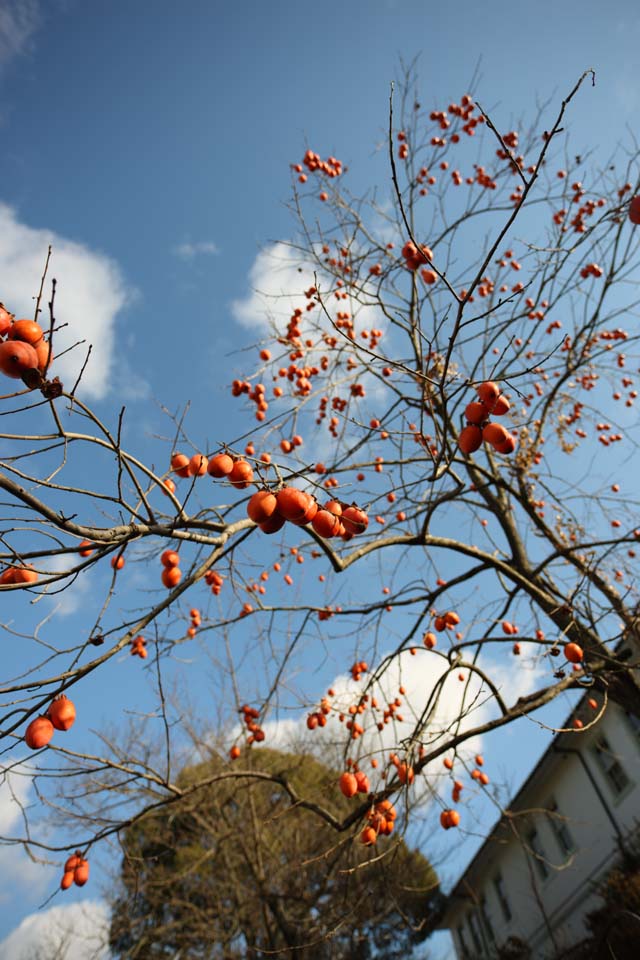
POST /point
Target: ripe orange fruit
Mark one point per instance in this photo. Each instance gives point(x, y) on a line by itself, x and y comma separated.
point(117, 562)
point(261, 506)
point(220, 466)
point(470, 439)
point(573, 652)
point(85, 548)
point(81, 873)
point(494, 433)
point(171, 577)
point(16, 358)
point(62, 713)
point(476, 412)
point(198, 465)
point(488, 393)
point(180, 464)
point(292, 503)
point(354, 520)
point(38, 733)
point(348, 784)
point(241, 475)
point(67, 880)
point(28, 331)
point(326, 524)
point(169, 558)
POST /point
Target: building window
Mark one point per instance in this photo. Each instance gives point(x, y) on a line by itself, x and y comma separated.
point(537, 854)
point(498, 886)
point(560, 829)
point(486, 921)
point(610, 766)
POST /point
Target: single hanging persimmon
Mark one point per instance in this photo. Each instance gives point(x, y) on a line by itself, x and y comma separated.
point(28, 331)
point(470, 439)
point(634, 210)
point(573, 652)
point(81, 873)
point(62, 713)
point(348, 784)
point(292, 503)
point(220, 466)
point(488, 393)
point(180, 464)
point(261, 506)
point(354, 520)
point(38, 733)
point(241, 475)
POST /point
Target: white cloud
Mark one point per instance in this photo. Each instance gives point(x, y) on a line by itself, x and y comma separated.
point(15, 795)
point(75, 931)
point(187, 251)
point(90, 292)
point(19, 20)
point(418, 675)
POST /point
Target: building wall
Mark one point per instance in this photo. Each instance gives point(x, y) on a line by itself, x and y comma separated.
point(552, 892)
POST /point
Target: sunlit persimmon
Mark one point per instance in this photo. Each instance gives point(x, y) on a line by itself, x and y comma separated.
point(81, 873)
point(488, 392)
point(86, 548)
point(348, 784)
point(354, 520)
point(292, 503)
point(449, 818)
point(171, 577)
point(169, 558)
point(62, 713)
point(573, 652)
point(326, 524)
point(117, 562)
point(38, 733)
point(180, 464)
point(220, 465)
point(494, 433)
point(28, 331)
point(16, 358)
point(501, 406)
point(241, 475)
point(261, 506)
point(476, 412)
point(470, 439)
point(198, 465)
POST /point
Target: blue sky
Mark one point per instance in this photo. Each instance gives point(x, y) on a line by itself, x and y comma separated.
point(152, 142)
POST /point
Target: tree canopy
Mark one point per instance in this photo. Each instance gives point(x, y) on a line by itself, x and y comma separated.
point(233, 870)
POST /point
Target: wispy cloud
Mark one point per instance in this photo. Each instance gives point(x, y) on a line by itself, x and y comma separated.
point(189, 251)
point(75, 931)
point(90, 293)
point(19, 20)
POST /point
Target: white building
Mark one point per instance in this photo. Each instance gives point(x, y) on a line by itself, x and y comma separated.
point(533, 878)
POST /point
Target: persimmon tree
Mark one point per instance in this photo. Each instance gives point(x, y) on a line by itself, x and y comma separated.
point(440, 421)
point(228, 873)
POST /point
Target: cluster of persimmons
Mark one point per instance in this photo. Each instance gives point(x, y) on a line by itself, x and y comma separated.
point(23, 346)
point(490, 403)
point(60, 715)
